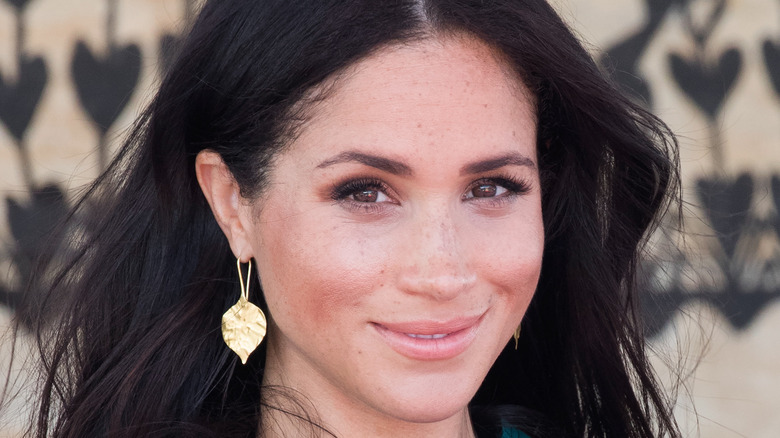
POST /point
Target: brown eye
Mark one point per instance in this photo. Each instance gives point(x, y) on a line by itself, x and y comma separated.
point(366, 196)
point(361, 191)
point(490, 188)
point(484, 191)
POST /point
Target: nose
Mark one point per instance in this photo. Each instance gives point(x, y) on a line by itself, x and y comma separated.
point(435, 253)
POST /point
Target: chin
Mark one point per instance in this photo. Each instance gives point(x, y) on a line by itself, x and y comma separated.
point(426, 403)
point(430, 413)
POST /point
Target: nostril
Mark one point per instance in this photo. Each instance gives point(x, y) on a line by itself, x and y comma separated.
point(436, 255)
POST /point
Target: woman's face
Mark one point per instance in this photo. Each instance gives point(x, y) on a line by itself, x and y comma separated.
point(400, 237)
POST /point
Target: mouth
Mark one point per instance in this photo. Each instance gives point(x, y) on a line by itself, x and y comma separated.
point(436, 336)
point(430, 340)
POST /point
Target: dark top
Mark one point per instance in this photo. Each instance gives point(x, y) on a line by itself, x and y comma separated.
point(509, 432)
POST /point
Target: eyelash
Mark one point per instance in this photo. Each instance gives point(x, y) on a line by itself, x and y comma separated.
point(513, 186)
point(342, 191)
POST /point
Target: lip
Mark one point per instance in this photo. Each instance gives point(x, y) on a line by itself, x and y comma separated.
point(430, 340)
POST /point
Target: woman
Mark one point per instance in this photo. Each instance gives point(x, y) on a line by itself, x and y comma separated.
point(411, 180)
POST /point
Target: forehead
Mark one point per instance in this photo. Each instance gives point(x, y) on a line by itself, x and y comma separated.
point(455, 86)
point(456, 60)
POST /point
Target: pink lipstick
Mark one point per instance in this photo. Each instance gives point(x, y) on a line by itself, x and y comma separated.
point(430, 340)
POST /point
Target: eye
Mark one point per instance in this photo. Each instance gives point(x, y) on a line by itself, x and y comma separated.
point(499, 187)
point(486, 190)
point(364, 195)
point(369, 195)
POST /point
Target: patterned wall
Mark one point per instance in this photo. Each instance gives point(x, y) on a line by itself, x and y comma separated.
point(707, 71)
point(74, 74)
point(711, 70)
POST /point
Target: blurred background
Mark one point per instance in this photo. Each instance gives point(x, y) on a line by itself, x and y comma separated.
point(75, 73)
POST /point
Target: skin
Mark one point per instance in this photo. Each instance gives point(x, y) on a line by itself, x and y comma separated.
point(443, 237)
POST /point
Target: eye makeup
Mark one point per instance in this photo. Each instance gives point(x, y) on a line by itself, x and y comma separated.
point(496, 191)
point(371, 195)
point(511, 186)
point(368, 195)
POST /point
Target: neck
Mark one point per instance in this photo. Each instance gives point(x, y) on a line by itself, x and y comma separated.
point(288, 420)
point(313, 407)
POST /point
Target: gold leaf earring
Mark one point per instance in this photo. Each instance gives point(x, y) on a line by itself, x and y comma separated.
point(516, 336)
point(244, 324)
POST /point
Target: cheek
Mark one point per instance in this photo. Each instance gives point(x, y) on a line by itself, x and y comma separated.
point(511, 259)
point(316, 273)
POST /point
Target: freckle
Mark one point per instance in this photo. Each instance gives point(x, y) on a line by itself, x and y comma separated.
point(485, 105)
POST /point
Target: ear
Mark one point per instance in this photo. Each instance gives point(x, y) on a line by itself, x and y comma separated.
point(223, 195)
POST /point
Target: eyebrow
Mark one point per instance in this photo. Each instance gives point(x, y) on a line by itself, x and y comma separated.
point(398, 168)
point(382, 163)
point(512, 158)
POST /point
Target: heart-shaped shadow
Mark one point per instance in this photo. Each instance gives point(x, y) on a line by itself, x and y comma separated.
point(36, 237)
point(772, 60)
point(104, 85)
point(32, 223)
point(726, 204)
point(702, 29)
point(19, 4)
point(659, 308)
point(624, 57)
point(707, 85)
point(741, 308)
point(19, 101)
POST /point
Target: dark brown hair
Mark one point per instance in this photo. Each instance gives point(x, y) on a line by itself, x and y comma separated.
point(130, 323)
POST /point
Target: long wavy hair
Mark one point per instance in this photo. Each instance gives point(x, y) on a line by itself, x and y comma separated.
point(129, 319)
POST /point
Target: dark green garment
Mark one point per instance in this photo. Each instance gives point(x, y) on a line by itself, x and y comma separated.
point(508, 432)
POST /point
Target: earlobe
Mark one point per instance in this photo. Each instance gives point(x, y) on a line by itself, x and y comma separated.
point(223, 195)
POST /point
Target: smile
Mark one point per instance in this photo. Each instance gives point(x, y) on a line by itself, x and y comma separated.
point(430, 340)
point(436, 336)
